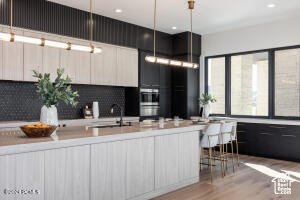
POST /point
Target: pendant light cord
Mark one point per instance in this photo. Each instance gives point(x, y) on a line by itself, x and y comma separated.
point(11, 16)
point(191, 35)
point(91, 23)
point(154, 30)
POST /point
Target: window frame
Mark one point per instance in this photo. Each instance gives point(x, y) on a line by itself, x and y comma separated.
point(271, 90)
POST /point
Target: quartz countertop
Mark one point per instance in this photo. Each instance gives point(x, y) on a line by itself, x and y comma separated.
point(15, 141)
point(69, 122)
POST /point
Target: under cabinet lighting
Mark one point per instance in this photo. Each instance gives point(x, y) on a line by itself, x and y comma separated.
point(29, 40)
point(175, 63)
point(162, 61)
point(41, 41)
point(5, 36)
point(151, 59)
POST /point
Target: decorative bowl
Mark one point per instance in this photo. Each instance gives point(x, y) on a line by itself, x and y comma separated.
point(38, 131)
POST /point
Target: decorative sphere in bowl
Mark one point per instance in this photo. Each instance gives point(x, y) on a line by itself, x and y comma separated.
point(38, 130)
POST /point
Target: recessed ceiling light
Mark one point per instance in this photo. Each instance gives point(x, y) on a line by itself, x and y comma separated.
point(271, 5)
point(174, 27)
point(118, 10)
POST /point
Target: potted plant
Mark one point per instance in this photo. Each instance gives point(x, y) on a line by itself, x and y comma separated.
point(53, 93)
point(205, 101)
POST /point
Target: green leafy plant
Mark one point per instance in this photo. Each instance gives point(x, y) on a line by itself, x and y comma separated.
point(59, 90)
point(206, 99)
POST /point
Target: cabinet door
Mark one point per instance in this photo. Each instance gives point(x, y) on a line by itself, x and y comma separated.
point(67, 172)
point(97, 69)
point(13, 59)
point(108, 171)
point(127, 67)
point(77, 64)
point(149, 72)
point(1, 58)
point(109, 75)
point(33, 58)
point(166, 160)
point(22, 171)
point(165, 103)
point(51, 58)
point(188, 155)
point(140, 167)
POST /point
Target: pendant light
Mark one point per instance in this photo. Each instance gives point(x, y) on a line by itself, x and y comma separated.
point(11, 37)
point(165, 61)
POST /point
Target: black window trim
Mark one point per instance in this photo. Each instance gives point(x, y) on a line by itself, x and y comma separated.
point(271, 57)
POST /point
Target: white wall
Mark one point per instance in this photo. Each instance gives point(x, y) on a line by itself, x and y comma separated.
point(263, 36)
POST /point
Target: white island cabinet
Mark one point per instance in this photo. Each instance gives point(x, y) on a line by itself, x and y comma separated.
point(121, 163)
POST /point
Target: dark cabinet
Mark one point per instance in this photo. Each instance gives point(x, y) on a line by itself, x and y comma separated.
point(149, 72)
point(267, 140)
point(165, 103)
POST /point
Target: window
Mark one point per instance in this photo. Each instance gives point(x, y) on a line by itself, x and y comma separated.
point(216, 83)
point(287, 83)
point(249, 84)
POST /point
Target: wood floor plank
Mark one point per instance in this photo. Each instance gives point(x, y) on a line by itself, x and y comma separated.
point(247, 183)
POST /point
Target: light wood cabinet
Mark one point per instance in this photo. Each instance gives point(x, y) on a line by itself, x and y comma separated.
point(188, 155)
point(13, 59)
point(104, 66)
point(108, 171)
point(1, 58)
point(139, 167)
point(67, 172)
point(51, 58)
point(22, 172)
point(77, 64)
point(127, 67)
point(33, 58)
point(166, 160)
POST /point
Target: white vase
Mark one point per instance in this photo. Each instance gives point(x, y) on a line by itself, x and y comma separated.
point(95, 110)
point(49, 115)
point(206, 110)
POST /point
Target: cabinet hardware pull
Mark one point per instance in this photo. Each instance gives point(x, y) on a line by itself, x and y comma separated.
point(277, 127)
point(240, 131)
point(265, 133)
point(288, 135)
point(241, 142)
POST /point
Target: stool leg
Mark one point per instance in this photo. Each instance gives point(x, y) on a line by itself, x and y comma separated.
point(232, 155)
point(210, 164)
point(237, 152)
point(201, 158)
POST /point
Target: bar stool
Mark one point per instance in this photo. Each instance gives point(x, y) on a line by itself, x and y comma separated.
point(210, 139)
point(226, 138)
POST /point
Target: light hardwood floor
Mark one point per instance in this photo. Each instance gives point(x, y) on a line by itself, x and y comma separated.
point(247, 183)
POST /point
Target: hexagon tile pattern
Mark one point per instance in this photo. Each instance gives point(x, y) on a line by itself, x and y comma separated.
point(19, 101)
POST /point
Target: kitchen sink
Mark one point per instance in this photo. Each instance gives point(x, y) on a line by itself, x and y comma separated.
point(110, 125)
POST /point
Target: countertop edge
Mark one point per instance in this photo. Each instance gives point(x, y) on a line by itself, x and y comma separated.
point(42, 146)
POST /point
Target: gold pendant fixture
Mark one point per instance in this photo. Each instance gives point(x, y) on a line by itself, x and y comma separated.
point(11, 37)
point(166, 61)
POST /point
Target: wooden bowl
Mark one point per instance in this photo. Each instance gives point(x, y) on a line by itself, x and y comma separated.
point(38, 131)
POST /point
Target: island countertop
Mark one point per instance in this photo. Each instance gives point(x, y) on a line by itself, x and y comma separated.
point(14, 141)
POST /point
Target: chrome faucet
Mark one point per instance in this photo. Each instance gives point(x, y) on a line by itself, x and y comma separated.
point(121, 112)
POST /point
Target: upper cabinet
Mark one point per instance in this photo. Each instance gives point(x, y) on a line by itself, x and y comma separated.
point(12, 59)
point(149, 72)
point(1, 58)
point(77, 64)
point(127, 65)
point(33, 58)
point(51, 58)
point(115, 66)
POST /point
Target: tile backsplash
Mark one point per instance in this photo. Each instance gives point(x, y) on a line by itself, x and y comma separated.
point(19, 101)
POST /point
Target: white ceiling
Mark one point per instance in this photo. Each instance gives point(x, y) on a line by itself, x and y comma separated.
point(209, 15)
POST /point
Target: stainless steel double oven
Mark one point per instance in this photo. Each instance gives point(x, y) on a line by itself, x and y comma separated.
point(149, 102)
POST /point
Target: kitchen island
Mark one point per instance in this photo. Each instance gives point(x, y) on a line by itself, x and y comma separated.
point(130, 162)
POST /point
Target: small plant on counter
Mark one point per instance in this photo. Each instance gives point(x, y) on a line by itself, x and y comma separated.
point(59, 90)
point(206, 99)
